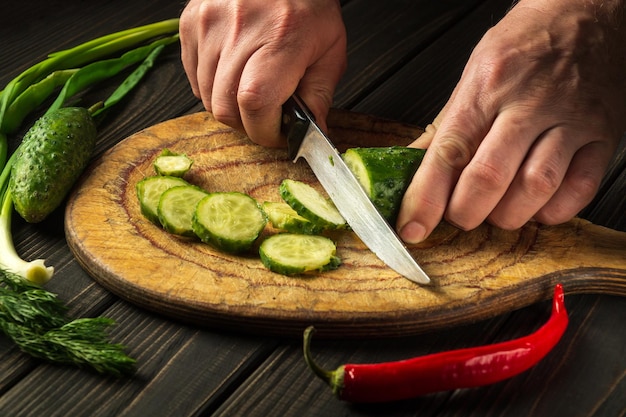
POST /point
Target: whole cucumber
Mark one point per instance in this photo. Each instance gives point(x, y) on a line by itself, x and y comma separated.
point(53, 154)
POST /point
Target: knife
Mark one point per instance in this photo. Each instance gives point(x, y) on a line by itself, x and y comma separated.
point(305, 139)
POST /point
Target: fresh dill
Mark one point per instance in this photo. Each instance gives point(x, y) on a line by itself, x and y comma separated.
point(37, 322)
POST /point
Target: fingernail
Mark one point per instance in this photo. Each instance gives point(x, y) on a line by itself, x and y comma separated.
point(413, 232)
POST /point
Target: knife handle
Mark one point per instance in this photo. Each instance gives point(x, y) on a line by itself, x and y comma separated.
point(295, 122)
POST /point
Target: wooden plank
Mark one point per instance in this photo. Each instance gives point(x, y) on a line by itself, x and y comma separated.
point(181, 371)
point(416, 93)
point(309, 396)
point(384, 35)
point(571, 380)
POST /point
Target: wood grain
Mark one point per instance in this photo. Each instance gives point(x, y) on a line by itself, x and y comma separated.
point(475, 275)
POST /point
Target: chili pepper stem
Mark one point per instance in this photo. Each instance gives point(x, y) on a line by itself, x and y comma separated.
point(333, 378)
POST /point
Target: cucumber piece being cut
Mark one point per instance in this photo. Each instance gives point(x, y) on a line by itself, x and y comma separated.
point(290, 253)
point(149, 191)
point(230, 221)
point(176, 209)
point(283, 217)
point(385, 173)
point(172, 164)
point(310, 204)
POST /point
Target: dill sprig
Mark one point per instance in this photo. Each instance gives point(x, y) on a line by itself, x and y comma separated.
point(37, 322)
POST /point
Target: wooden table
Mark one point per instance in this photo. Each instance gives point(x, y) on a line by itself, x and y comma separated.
point(404, 60)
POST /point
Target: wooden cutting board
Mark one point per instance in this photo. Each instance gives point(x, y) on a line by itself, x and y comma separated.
point(475, 275)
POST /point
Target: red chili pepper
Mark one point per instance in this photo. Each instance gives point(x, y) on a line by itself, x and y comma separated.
point(462, 368)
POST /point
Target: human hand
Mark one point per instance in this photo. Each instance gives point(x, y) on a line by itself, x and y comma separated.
point(245, 58)
point(531, 126)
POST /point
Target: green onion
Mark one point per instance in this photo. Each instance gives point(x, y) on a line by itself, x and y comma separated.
point(32, 317)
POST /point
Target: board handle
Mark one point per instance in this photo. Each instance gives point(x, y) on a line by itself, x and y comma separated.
point(595, 262)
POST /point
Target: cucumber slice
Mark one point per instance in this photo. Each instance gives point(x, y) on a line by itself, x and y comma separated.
point(172, 164)
point(283, 217)
point(230, 221)
point(149, 191)
point(290, 253)
point(310, 204)
point(385, 173)
point(176, 208)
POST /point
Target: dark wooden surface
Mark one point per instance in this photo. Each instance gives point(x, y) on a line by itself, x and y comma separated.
point(405, 57)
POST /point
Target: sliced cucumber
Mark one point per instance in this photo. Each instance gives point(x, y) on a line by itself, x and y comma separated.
point(310, 204)
point(172, 164)
point(385, 173)
point(283, 217)
point(176, 208)
point(290, 253)
point(149, 191)
point(230, 221)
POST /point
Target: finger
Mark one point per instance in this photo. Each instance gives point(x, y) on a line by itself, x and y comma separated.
point(206, 71)
point(487, 177)
point(266, 83)
point(580, 184)
point(452, 148)
point(425, 139)
point(537, 179)
point(189, 47)
point(269, 79)
point(225, 84)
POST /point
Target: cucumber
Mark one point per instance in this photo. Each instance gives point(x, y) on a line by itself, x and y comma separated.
point(149, 191)
point(176, 209)
point(53, 154)
point(290, 253)
point(172, 164)
point(283, 217)
point(311, 205)
point(230, 221)
point(385, 173)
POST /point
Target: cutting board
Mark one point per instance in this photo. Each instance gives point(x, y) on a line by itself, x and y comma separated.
point(475, 275)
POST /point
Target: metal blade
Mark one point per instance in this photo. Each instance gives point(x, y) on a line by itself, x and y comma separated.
point(306, 140)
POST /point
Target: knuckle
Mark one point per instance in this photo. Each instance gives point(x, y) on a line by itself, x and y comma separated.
point(253, 103)
point(206, 13)
point(487, 176)
point(541, 181)
point(578, 191)
point(583, 185)
point(224, 114)
point(453, 153)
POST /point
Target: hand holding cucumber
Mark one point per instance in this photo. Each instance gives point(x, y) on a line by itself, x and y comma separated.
point(525, 150)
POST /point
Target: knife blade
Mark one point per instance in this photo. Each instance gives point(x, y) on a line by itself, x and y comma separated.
point(306, 140)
